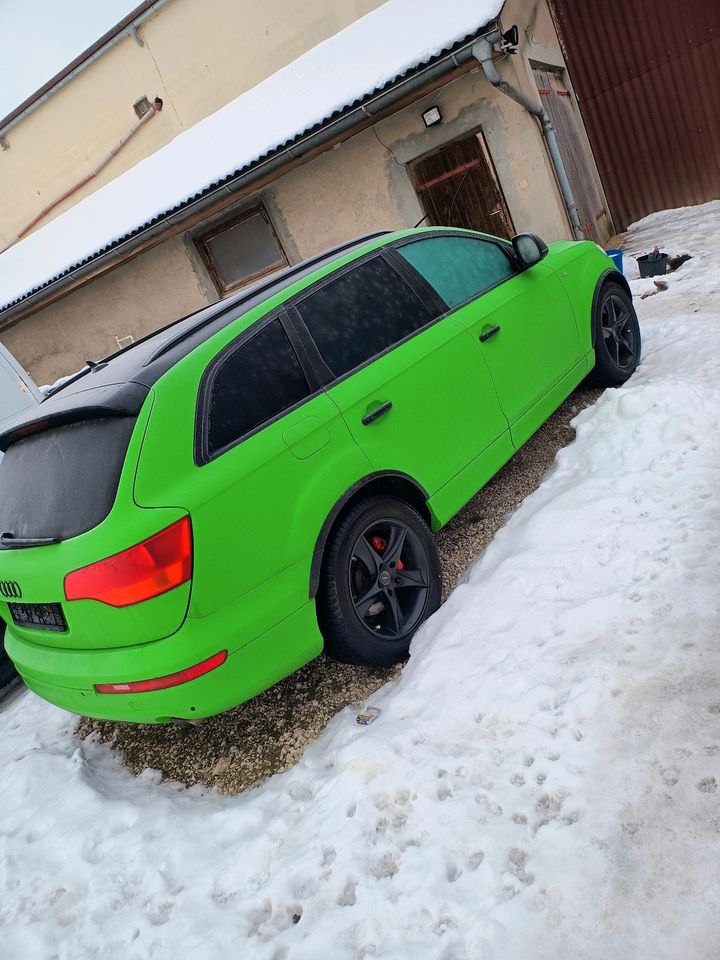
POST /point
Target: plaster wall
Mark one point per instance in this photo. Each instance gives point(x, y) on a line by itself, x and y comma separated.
point(360, 186)
point(195, 56)
point(92, 322)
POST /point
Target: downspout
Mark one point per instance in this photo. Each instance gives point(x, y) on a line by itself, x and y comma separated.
point(483, 53)
point(130, 30)
point(155, 108)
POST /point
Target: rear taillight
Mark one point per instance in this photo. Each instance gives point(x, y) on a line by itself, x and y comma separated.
point(170, 680)
point(150, 568)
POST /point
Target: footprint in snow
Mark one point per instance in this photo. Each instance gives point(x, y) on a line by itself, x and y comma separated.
point(517, 863)
point(475, 859)
point(444, 792)
point(670, 776)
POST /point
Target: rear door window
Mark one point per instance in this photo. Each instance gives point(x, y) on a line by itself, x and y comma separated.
point(362, 313)
point(458, 268)
point(62, 482)
point(250, 385)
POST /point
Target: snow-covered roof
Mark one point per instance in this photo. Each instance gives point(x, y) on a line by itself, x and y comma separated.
point(360, 60)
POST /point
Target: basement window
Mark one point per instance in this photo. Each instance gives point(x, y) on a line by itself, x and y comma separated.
point(241, 250)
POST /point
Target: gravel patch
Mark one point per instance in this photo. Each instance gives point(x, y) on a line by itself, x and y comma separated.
point(245, 746)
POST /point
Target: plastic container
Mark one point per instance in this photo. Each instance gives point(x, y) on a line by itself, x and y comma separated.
point(617, 258)
point(653, 264)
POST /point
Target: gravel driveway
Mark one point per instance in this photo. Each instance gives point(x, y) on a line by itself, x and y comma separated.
point(240, 748)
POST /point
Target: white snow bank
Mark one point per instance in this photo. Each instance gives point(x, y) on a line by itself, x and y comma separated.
point(541, 784)
point(688, 224)
point(399, 35)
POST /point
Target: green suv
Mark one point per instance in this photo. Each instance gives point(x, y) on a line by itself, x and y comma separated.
point(192, 519)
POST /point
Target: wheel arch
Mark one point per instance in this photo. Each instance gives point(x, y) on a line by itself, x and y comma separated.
point(607, 276)
point(390, 482)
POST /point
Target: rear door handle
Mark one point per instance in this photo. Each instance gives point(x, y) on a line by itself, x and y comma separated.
point(489, 333)
point(376, 413)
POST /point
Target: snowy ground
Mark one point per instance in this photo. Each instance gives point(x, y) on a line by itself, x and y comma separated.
point(542, 782)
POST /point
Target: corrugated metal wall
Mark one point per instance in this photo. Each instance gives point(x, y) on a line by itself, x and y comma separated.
point(647, 74)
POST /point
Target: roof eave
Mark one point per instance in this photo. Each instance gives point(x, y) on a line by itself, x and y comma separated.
point(304, 147)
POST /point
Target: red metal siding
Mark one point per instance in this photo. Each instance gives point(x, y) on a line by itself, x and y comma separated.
point(647, 75)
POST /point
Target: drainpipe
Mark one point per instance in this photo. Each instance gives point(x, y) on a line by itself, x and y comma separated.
point(129, 30)
point(483, 53)
point(155, 108)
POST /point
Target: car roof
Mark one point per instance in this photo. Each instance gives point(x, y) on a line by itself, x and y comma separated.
point(118, 384)
point(141, 353)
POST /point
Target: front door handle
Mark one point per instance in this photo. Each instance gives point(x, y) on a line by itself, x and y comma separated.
point(376, 413)
point(487, 334)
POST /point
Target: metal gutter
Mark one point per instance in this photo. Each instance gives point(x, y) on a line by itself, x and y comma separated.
point(125, 28)
point(483, 53)
point(327, 131)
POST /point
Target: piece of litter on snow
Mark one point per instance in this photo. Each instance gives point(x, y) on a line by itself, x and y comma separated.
point(368, 716)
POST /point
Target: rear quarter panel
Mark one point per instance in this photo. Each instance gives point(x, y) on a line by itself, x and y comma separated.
point(258, 508)
point(41, 572)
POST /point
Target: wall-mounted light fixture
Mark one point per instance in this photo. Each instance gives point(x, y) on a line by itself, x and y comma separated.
point(432, 116)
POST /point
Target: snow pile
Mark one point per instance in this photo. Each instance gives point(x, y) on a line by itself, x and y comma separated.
point(382, 45)
point(689, 228)
point(542, 781)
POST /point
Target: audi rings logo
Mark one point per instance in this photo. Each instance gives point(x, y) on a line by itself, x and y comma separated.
point(10, 589)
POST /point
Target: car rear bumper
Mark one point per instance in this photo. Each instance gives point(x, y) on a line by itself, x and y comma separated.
point(67, 678)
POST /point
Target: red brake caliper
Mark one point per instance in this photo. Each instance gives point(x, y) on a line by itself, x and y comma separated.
point(380, 543)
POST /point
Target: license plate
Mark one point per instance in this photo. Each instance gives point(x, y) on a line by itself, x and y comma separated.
point(42, 616)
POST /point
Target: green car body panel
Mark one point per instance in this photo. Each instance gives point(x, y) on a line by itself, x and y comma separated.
point(260, 510)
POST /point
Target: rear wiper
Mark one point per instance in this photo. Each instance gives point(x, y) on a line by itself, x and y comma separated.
point(9, 540)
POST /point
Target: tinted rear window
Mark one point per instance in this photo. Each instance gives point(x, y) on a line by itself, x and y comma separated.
point(361, 314)
point(62, 482)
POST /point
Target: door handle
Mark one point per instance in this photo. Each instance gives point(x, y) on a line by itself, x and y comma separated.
point(487, 334)
point(376, 413)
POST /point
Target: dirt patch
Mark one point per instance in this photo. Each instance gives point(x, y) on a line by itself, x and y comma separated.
point(246, 745)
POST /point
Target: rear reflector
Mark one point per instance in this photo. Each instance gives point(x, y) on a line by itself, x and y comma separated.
point(162, 683)
point(150, 568)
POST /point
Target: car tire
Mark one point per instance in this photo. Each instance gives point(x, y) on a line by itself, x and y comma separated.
point(616, 334)
point(380, 581)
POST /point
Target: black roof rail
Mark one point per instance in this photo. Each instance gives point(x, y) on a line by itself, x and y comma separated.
point(209, 312)
point(275, 283)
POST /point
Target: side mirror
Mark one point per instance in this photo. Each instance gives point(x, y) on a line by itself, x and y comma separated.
point(529, 249)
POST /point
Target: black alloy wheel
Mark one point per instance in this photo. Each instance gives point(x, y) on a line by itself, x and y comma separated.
point(380, 581)
point(389, 574)
point(617, 337)
point(618, 332)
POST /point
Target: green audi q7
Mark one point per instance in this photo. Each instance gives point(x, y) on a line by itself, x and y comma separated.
point(195, 517)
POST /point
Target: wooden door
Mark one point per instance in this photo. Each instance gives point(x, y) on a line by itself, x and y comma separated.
point(458, 187)
point(575, 153)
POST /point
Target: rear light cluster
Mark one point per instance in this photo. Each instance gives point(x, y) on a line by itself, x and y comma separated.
point(158, 564)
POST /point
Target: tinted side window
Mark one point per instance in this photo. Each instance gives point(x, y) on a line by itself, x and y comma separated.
point(251, 385)
point(362, 313)
point(459, 268)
